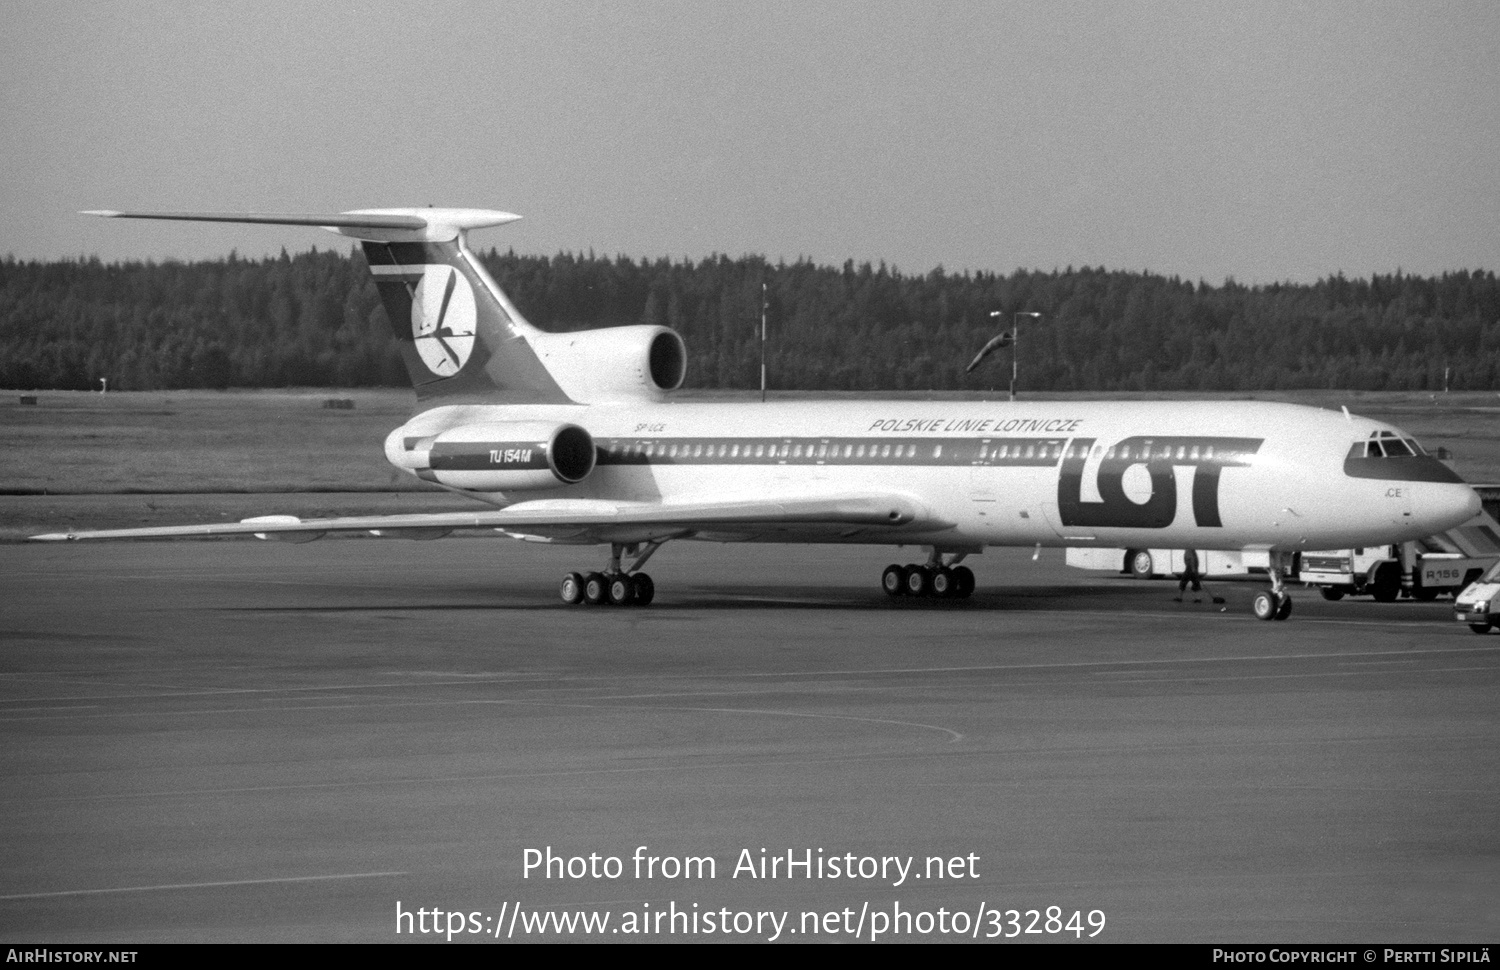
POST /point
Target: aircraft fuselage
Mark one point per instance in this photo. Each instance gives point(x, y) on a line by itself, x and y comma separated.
point(1190, 474)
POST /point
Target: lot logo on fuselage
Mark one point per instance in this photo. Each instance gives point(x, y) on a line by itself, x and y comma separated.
point(442, 319)
point(1159, 456)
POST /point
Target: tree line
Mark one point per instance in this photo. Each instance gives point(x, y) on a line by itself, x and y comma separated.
point(314, 319)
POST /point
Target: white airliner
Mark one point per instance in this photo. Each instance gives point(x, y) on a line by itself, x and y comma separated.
point(572, 438)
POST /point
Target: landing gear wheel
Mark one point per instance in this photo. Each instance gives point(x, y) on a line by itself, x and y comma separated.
point(964, 577)
point(944, 584)
point(1141, 566)
point(893, 580)
point(645, 589)
point(595, 589)
point(1284, 608)
point(622, 590)
point(1265, 605)
point(1331, 593)
point(918, 581)
point(1480, 627)
point(572, 589)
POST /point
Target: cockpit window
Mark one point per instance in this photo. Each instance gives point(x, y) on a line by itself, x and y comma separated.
point(1396, 448)
point(1387, 456)
point(1386, 444)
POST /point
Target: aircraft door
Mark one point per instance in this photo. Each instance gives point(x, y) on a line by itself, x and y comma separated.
point(984, 496)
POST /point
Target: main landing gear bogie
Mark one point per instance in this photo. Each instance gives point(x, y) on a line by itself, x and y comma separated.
point(932, 579)
point(604, 589)
point(615, 586)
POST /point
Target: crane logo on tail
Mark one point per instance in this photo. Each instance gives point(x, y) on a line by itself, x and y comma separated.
point(442, 319)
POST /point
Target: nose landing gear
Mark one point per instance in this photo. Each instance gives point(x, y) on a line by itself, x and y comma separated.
point(1271, 605)
point(615, 585)
point(1274, 603)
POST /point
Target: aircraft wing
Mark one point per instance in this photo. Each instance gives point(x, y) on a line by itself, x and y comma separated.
point(577, 520)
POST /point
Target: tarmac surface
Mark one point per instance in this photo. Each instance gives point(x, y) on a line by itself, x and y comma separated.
point(230, 741)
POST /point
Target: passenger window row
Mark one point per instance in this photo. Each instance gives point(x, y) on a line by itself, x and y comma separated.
point(957, 452)
point(948, 451)
point(750, 450)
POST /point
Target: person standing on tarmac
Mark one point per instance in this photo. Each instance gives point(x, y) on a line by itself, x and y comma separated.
point(1190, 574)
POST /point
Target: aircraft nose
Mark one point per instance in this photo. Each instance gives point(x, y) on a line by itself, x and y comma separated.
point(1445, 505)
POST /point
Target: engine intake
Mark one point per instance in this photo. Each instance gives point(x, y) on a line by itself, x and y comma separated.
point(614, 364)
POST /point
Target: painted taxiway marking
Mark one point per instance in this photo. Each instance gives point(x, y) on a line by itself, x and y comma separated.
point(170, 887)
point(953, 736)
point(539, 683)
point(59, 707)
point(1417, 653)
point(545, 680)
point(1231, 678)
point(741, 766)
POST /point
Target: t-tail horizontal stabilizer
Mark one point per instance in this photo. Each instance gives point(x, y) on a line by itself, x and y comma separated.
point(382, 225)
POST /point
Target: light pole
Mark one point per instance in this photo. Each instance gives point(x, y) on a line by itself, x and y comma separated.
point(1015, 343)
point(763, 306)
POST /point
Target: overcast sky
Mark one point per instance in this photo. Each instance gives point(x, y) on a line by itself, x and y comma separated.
point(1264, 141)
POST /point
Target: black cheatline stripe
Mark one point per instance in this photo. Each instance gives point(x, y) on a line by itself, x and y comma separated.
point(906, 452)
point(413, 254)
point(1401, 468)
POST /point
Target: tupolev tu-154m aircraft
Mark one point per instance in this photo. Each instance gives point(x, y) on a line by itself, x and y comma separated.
point(573, 438)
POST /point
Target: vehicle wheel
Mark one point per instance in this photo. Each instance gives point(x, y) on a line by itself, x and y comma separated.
point(1426, 594)
point(572, 589)
point(1385, 584)
point(944, 586)
point(1265, 605)
point(1331, 593)
point(1141, 566)
point(622, 590)
point(1284, 608)
point(595, 589)
point(645, 589)
point(918, 580)
point(1480, 627)
point(893, 580)
point(963, 576)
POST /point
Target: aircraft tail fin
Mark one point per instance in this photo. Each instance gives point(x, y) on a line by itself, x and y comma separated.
point(460, 337)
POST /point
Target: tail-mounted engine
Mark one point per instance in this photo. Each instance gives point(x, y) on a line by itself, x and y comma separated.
point(503, 456)
point(614, 364)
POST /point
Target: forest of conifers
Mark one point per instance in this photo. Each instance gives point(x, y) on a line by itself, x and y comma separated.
point(314, 319)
